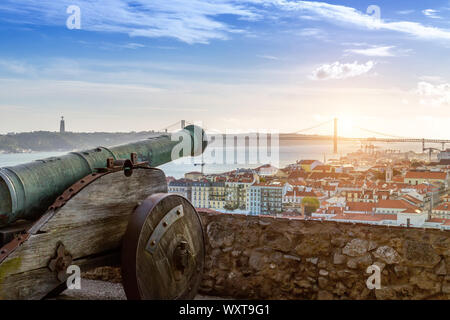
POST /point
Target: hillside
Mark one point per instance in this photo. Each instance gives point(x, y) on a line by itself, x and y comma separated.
point(54, 141)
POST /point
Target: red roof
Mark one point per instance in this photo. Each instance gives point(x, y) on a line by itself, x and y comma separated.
point(307, 162)
point(412, 199)
point(322, 168)
point(426, 175)
point(366, 217)
point(265, 166)
point(323, 175)
point(359, 207)
point(330, 210)
point(437, 220)
point(297, 182)
point(395, 204)
point(297, 174)
point(443, 207)
point(302, 194)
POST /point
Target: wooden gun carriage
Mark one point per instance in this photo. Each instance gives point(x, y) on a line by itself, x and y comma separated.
point(74, 211)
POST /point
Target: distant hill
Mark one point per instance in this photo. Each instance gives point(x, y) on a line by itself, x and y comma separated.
point(55, 141)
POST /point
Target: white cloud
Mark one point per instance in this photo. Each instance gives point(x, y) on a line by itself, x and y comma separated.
point(433, 94)
point(351, 16)
point(305, 17)
point(16, 67)
point(311, 32)
point(133, 45)
point(381, 51)
point(431, 13)
point(432, 79)
point(268, 57)
point(405, 12)
point(193, 21)
point(197, 21)
point(339, 70)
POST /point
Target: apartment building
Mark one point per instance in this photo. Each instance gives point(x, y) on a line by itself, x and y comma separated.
point(265, 198)
point(182, 187)
point(236, 189)
point(200, 194)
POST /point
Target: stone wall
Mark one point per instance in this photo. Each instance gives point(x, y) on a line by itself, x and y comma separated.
point(253, 257)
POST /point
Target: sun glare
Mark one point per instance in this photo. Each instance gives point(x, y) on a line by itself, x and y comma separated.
point(348, 126)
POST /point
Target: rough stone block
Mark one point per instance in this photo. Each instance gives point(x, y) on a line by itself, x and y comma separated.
point(387, 254)
point(356, 248)
point(339, 258)
point(420, 254)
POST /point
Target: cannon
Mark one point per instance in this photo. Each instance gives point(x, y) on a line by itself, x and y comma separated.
point(105, 206)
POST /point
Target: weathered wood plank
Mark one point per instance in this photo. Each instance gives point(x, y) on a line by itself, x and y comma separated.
point(114, 195)
point(31, 285)
point(79, 242)
point(18, 286)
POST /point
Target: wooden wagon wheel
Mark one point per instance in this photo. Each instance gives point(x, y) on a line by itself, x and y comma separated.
point(163, 250)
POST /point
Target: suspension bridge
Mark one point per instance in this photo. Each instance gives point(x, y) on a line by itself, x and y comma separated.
point(308, 134)
point(378, 137)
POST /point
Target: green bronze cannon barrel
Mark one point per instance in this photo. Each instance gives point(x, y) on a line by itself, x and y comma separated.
point(27, 190)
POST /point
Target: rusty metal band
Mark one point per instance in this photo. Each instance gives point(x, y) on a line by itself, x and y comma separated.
point(11, 246)
point(170, 218)
point(83, 154)
point(82, 157)
point(75, 189)
point(109, 150)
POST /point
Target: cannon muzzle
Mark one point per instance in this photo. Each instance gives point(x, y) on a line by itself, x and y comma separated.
point(27, 190)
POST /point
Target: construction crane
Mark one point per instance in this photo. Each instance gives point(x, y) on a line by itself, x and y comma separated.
point(201, 164)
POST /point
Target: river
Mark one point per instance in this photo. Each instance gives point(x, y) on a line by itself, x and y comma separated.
point(288, 153)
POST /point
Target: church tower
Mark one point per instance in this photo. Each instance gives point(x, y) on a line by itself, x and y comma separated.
point(62, 126)
point(389, 173)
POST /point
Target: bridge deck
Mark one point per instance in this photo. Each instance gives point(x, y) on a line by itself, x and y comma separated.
point(400, 140)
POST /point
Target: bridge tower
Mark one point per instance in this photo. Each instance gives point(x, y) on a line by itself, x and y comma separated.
point(335, 138)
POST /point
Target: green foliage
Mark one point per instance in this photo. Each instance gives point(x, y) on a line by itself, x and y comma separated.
point(416, 164)
point(382, 175)
point(311, 205)
point(230, 206)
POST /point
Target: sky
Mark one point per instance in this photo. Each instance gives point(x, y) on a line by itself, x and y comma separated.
point(242, 65)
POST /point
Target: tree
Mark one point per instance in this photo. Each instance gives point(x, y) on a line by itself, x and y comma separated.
point(380, 176)
point(311, 205)
point(230, 206)
point(416, 164)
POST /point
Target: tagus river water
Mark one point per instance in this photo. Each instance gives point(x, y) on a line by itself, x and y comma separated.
point(287, 153)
